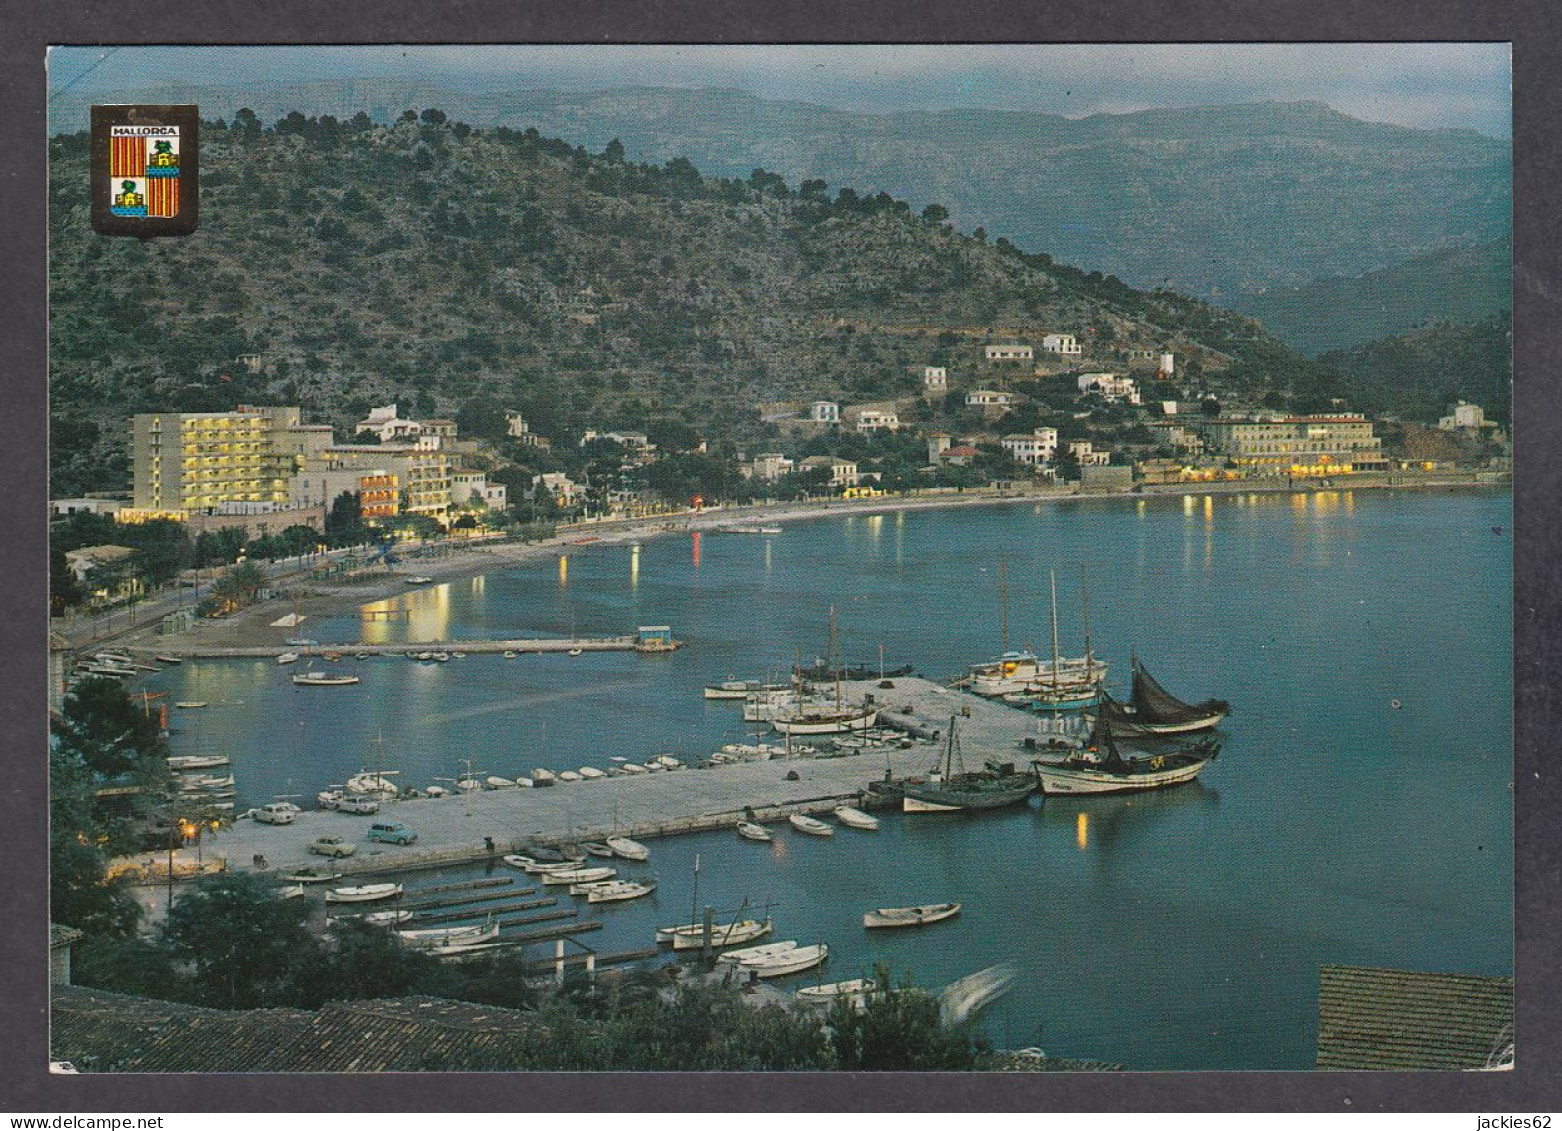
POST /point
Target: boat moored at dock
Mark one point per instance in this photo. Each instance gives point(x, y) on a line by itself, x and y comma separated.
point(1152, 710)
point(1097, 766)
point(856, 818)
point(365, 893)
point(321, 679)
point(910, 916)
point(628, 849)
point(809, 825)
point(793, 961)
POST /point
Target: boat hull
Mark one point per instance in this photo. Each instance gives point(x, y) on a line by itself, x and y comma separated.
point(722, 934)
point(910, 916)
point(943, 799)
point(833, 724)
point(1131, 728)
point(1071, 780)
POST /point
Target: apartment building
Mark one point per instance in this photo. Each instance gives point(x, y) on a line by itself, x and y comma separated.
point(196, 462)
point(1296, 445)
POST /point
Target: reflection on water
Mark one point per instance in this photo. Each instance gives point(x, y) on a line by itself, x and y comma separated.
point(563, 570)
point(634, 566)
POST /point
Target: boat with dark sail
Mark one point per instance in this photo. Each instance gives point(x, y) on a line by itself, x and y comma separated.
point(1152, 710)
point(1097, 766)
point(950, 788)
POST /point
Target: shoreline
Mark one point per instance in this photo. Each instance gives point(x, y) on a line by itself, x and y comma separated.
point(318, 599)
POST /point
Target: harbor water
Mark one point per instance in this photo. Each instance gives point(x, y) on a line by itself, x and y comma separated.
point(1360, 811)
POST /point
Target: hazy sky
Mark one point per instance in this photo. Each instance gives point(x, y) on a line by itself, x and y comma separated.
point(1423, 85)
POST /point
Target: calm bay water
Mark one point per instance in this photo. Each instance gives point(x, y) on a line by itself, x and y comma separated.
point(1173, 931)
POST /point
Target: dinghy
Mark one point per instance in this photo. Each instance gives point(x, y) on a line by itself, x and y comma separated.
point(614, 891)
point(910, 916)
point(363, 894)
point(856, 818)
point(430, 937)
point(591, 773)
point(628, 849)
point(692, 936)
point(761, 953)
point(577, 876)
point(748, 830)
point(793, 961)
point(855, 991)
point(387, 917)
point(810, 826)
point(597, 848)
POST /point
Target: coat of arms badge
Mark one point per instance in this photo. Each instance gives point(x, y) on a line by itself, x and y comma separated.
point(145, 170)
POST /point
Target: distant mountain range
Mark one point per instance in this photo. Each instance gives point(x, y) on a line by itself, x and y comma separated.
point(1457, 285)
point(1216, 201)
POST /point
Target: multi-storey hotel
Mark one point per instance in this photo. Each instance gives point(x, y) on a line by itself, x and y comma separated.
point(1296, 445)
point(198, 462)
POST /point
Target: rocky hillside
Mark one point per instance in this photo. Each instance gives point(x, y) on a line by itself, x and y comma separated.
point(1418, 374)
point(433, 264)
point(1211, 200)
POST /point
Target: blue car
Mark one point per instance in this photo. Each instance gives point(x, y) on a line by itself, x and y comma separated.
point(392, 833)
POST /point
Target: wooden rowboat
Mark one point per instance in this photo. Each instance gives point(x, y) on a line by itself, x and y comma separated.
point(910, 916)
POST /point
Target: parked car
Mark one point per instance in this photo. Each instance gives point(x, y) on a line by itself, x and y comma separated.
point(332, 846)
point(360, 805)
point(391, 833)
point(274, 814)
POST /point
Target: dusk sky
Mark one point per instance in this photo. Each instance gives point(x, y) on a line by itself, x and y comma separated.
point(1422, 85)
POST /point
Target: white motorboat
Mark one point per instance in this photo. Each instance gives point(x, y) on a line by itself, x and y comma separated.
point(770, 530)
point(856, 818)
point(855, 991)
point(692, 936)
point(569, 775)
point(201, 784)
point(910, 916)
point(809, 825)
point(732, 689)
point(628, 849)
point(321, 679)
point(374, 783)
point(793, 961)
point(591, 773)
point(387, 917)
point(613, 891)
point(495, 782)
point(577, 876)
point(762, 953)
point(365, 893)
point(300, 642)
point(430, 937)
point(288, 658)
point(748, 830)
point(575, 651)
point(632, 768)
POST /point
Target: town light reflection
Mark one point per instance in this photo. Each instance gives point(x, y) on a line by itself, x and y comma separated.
point(1082, 830)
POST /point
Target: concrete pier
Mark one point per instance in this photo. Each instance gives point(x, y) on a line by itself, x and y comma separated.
point(452, 829)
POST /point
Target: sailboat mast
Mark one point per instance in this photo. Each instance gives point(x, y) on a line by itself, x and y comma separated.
point(1003, 599)
point(1054, 578)
point(1084, 608)
point(835, 662)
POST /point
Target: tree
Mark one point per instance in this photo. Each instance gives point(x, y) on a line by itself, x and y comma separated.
point(128, 964)
point(106, 728)
point(80, 892)
point(935, 214)
point(434, 117)
point(899, 1029)
point(363, 960)
point(64, 590)
point(614, 152)
point(238, 587)
point(244, 942)
point(344, 521)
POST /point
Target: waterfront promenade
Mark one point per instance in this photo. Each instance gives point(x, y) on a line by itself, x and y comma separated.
point(453, 828)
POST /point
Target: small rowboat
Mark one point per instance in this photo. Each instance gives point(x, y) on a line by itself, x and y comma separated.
point(568, 775)
point(577, 875)
point(541, 776)
point(692, 936)
point(810, 826)
point(628, 849)
point(387, 917)
point(363, 894)
point(500, 783)
point(307, 877)
point(433, 937)
point(190, 704)
point(910, 916)
point(614, 891)
point(320, 679)
point(633, 768)
point(856, 818)
point(288, 658)
point(591, 773)
point(748, 830)
point(197, 761)
point(169, 659)
point(855, 990)
point(294, 892)
point(597, 848)
point(793, 961)
point(539, 867)
point(762, 953)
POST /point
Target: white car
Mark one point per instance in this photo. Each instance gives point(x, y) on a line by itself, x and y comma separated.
point(355, 804)
point(274, 814)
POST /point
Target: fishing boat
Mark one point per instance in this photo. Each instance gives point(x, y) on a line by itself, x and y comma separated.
point(793, 961)
point(469, 784)
point(628, 849)
point(910, 916)
point(288, 658)
point(321, 679)
point(426, 938)
point(613, 891)
point(387, 917)
point(196, 761)
point(310, 876)
point(190, 704)
point(211, 781)
point(168, 659)
point(1152, 710)
point(597, 848)
point(854, 991)
point(691, 936)
point(748, 830)
point(524, 782)
point(950, 788)
point(732, 689)
point(1098, 767)
point(856, 818)
point(809, 825)
point(365, 893)
point(591, 773)
point(761, 953)
point(815, 718)
point(1051, 691)
point(576, 876)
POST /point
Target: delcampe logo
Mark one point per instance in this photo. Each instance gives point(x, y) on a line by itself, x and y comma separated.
point(145, 170)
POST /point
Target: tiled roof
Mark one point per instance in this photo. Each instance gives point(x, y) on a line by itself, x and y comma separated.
point(99, 1031)
point(1402, 1019)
